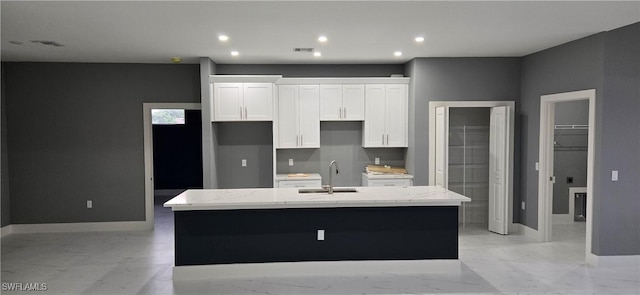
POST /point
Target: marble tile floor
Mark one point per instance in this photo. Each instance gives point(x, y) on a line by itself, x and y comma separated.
point(140, 262)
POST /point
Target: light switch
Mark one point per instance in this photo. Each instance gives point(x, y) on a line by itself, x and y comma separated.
point(244, 162)
point(537, 166)
point(89, 204)
point(523, 205)
point(290, 162)
point(321, 235)
point(377, 161)
point(614, 175)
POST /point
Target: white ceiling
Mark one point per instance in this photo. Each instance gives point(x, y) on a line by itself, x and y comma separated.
point(267, 31)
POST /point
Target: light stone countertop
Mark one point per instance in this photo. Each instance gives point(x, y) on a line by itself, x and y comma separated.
point(272, 198)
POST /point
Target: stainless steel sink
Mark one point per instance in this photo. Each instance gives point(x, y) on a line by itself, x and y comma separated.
point(326, 191)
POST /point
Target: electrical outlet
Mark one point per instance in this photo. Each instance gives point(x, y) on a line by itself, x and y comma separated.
point(377, 161)
point(614, 175)
point(89, 204)
point(537, 166)
point(523, 205)
point(244, 162)
point(321, 235)
point(290, 162)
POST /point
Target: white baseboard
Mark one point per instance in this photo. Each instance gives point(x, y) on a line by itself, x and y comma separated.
point(561, 218)
point(529, 232)
point(613, 260)
point(77, 227)
point(315, 268)
point(514, 228)
point(6, 230)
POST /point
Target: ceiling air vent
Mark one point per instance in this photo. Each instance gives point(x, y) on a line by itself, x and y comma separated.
point(302, 49)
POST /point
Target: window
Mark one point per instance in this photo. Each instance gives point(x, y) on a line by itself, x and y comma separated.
point(167, 117)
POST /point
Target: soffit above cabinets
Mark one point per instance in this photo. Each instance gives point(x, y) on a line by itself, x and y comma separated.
point(280, 80)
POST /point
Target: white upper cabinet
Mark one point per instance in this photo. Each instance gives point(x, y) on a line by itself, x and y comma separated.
point(386, 116)
point(298, 116)
point(242, 102)
point(342, 102)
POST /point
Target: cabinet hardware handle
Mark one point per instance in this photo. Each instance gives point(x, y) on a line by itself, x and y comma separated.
point(297, 140)
point(301, 140)
point(382, 139)
point(340, 113)
point(240, 113)
point(344, 113)
point(387, 139)
point(245, 113)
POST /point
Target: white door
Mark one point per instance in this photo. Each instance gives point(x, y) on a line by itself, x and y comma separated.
point(441, 145)
point(258, 100)
point(396, 115)
point(227, 102)
point(353, 102)
point(374, 123)
point(309, 116)
point(499, 170)
point(287, 116)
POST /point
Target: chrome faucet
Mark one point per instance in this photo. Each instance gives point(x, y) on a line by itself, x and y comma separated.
point(333, 163)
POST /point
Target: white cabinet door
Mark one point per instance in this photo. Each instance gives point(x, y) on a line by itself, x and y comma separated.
point(386, 111)
point(258, 101)
point(397, 109)
point(330, 102)
point(242, 101)
point(309, 116)
point(287, 116)
point(298, 116)
point(227, 98)
point(353, 102)
point(374, 133)
point(342, 102)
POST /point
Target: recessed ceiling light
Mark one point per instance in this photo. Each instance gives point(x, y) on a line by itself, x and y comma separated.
point(317, 53)
point(223, 37)
point(176, 60)
point(419, 39)
point(235, 53)
point(322, 39)
point(398, 53)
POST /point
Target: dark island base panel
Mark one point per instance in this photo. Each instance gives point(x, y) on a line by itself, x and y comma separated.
point(290, 235)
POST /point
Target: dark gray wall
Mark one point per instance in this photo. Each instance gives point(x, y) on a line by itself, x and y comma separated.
point(449, 79)
point(617, 231)
point(209, 141)
point(5, 214)
point(296, 70)
point(569, 67)
point(340, 141)
point(570, 153)
point(252, 141)
point(75, 132)
point(610, 63)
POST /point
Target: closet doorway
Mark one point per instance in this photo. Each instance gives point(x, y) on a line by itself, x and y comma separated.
point(471, 153)
point(149, 186)
point(546, 178)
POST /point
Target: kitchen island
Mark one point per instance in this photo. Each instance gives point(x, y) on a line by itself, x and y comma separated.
point(228, 232)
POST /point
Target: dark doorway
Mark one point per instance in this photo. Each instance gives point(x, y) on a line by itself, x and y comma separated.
point(177, 156)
